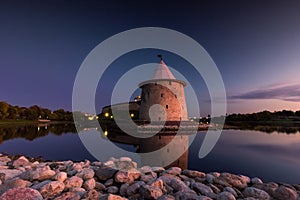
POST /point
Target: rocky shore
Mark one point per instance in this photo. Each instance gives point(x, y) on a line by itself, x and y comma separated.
point(119, 179)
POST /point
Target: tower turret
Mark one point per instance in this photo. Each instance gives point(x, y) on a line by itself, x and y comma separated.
point(163, 96)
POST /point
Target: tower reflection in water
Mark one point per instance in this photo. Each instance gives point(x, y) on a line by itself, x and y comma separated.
point(173, 149)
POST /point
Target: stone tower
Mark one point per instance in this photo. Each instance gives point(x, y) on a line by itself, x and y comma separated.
point(163, 97)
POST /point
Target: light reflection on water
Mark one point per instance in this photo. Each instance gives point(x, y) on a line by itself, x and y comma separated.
point(272, 157)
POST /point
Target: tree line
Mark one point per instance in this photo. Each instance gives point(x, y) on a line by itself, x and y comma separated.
point(265, 116)
point(10, 112)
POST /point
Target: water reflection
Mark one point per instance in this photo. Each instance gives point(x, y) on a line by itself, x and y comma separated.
point(270, 129)
point(33, 131)
point(272, 157)
point(176, 154)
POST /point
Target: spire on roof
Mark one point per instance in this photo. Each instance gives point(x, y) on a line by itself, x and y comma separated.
point(162, 71)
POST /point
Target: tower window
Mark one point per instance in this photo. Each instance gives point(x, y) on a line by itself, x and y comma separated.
point(161, 95)
point(155, 84)
point(167, 106)
point(175, 96)
point(170, 83)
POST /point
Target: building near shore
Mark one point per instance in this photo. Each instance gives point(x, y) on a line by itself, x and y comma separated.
point(162, 99)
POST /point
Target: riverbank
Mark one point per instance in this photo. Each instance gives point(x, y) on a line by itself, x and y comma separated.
point(118, 179)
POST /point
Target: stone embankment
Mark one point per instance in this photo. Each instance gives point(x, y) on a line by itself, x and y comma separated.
point(120, 179)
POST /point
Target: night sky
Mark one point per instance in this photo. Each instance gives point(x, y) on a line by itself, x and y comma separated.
point(255, 44)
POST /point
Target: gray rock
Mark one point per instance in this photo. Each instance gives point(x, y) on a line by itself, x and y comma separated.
point(92, 194)
point(174, 171)
point(109, 182)
point(215, 189)
point(40, 174)
point(127, 176)
point(10, 173)
point(99, 186)
point(145, 169)
point(89, 184)
point(134, 188)
point(150, 192)
point(256, 180)
point(52, 189)
point(225, 196)
point(157, 183)
point(80, 191)
point(21, 162)
point(189, 196)
point(268, 187)
point(21, 193)
point(60, 176)
point(193, 174)
point(283, 192)
point(210, 178)
point(202, 189)
point(178, 185)
point(112, 190)
point(148, 176)
point(237, 181)
point(256, 193)
point(123, 189)
point(204, 198)
point(127, 159)
point(158, 169)
point(111, 197)
point(13, 183)
point(166, 197)
point(5, 159)
point(73, 182)
point(105, 173)
point(38, 186)
point(86, 173)
point(68, 196)
point(231, 190)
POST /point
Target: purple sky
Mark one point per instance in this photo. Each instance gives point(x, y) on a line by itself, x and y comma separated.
point(255, 44)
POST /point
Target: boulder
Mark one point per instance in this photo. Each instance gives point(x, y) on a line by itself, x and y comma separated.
point(13, 183)
point(52, 189)
point(127, 176)
point(21, 162)
point(73, 182)
point(60, 176)
point(202, 189)
point(10, 173)
point(112, 190)
point(225, 196)
point(174, 171)
point(68, 196)
point(105, 173)
point(193, 173)
point(39, 174)
point(256, 180)
point(283, 192)
point(86, 173)
point(89, 184)
point(99, 186)
point(237, 181)
point(111, 197)
point(166, 197)
point(150, 192)
point(21, 193)
point(231, 190)
point(256, 193)
point(92, 194)
point(134, 188)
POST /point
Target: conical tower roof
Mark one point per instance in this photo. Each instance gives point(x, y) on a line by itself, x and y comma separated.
point(162, 72)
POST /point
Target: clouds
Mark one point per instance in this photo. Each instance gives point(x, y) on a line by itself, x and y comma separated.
point(281, 91)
